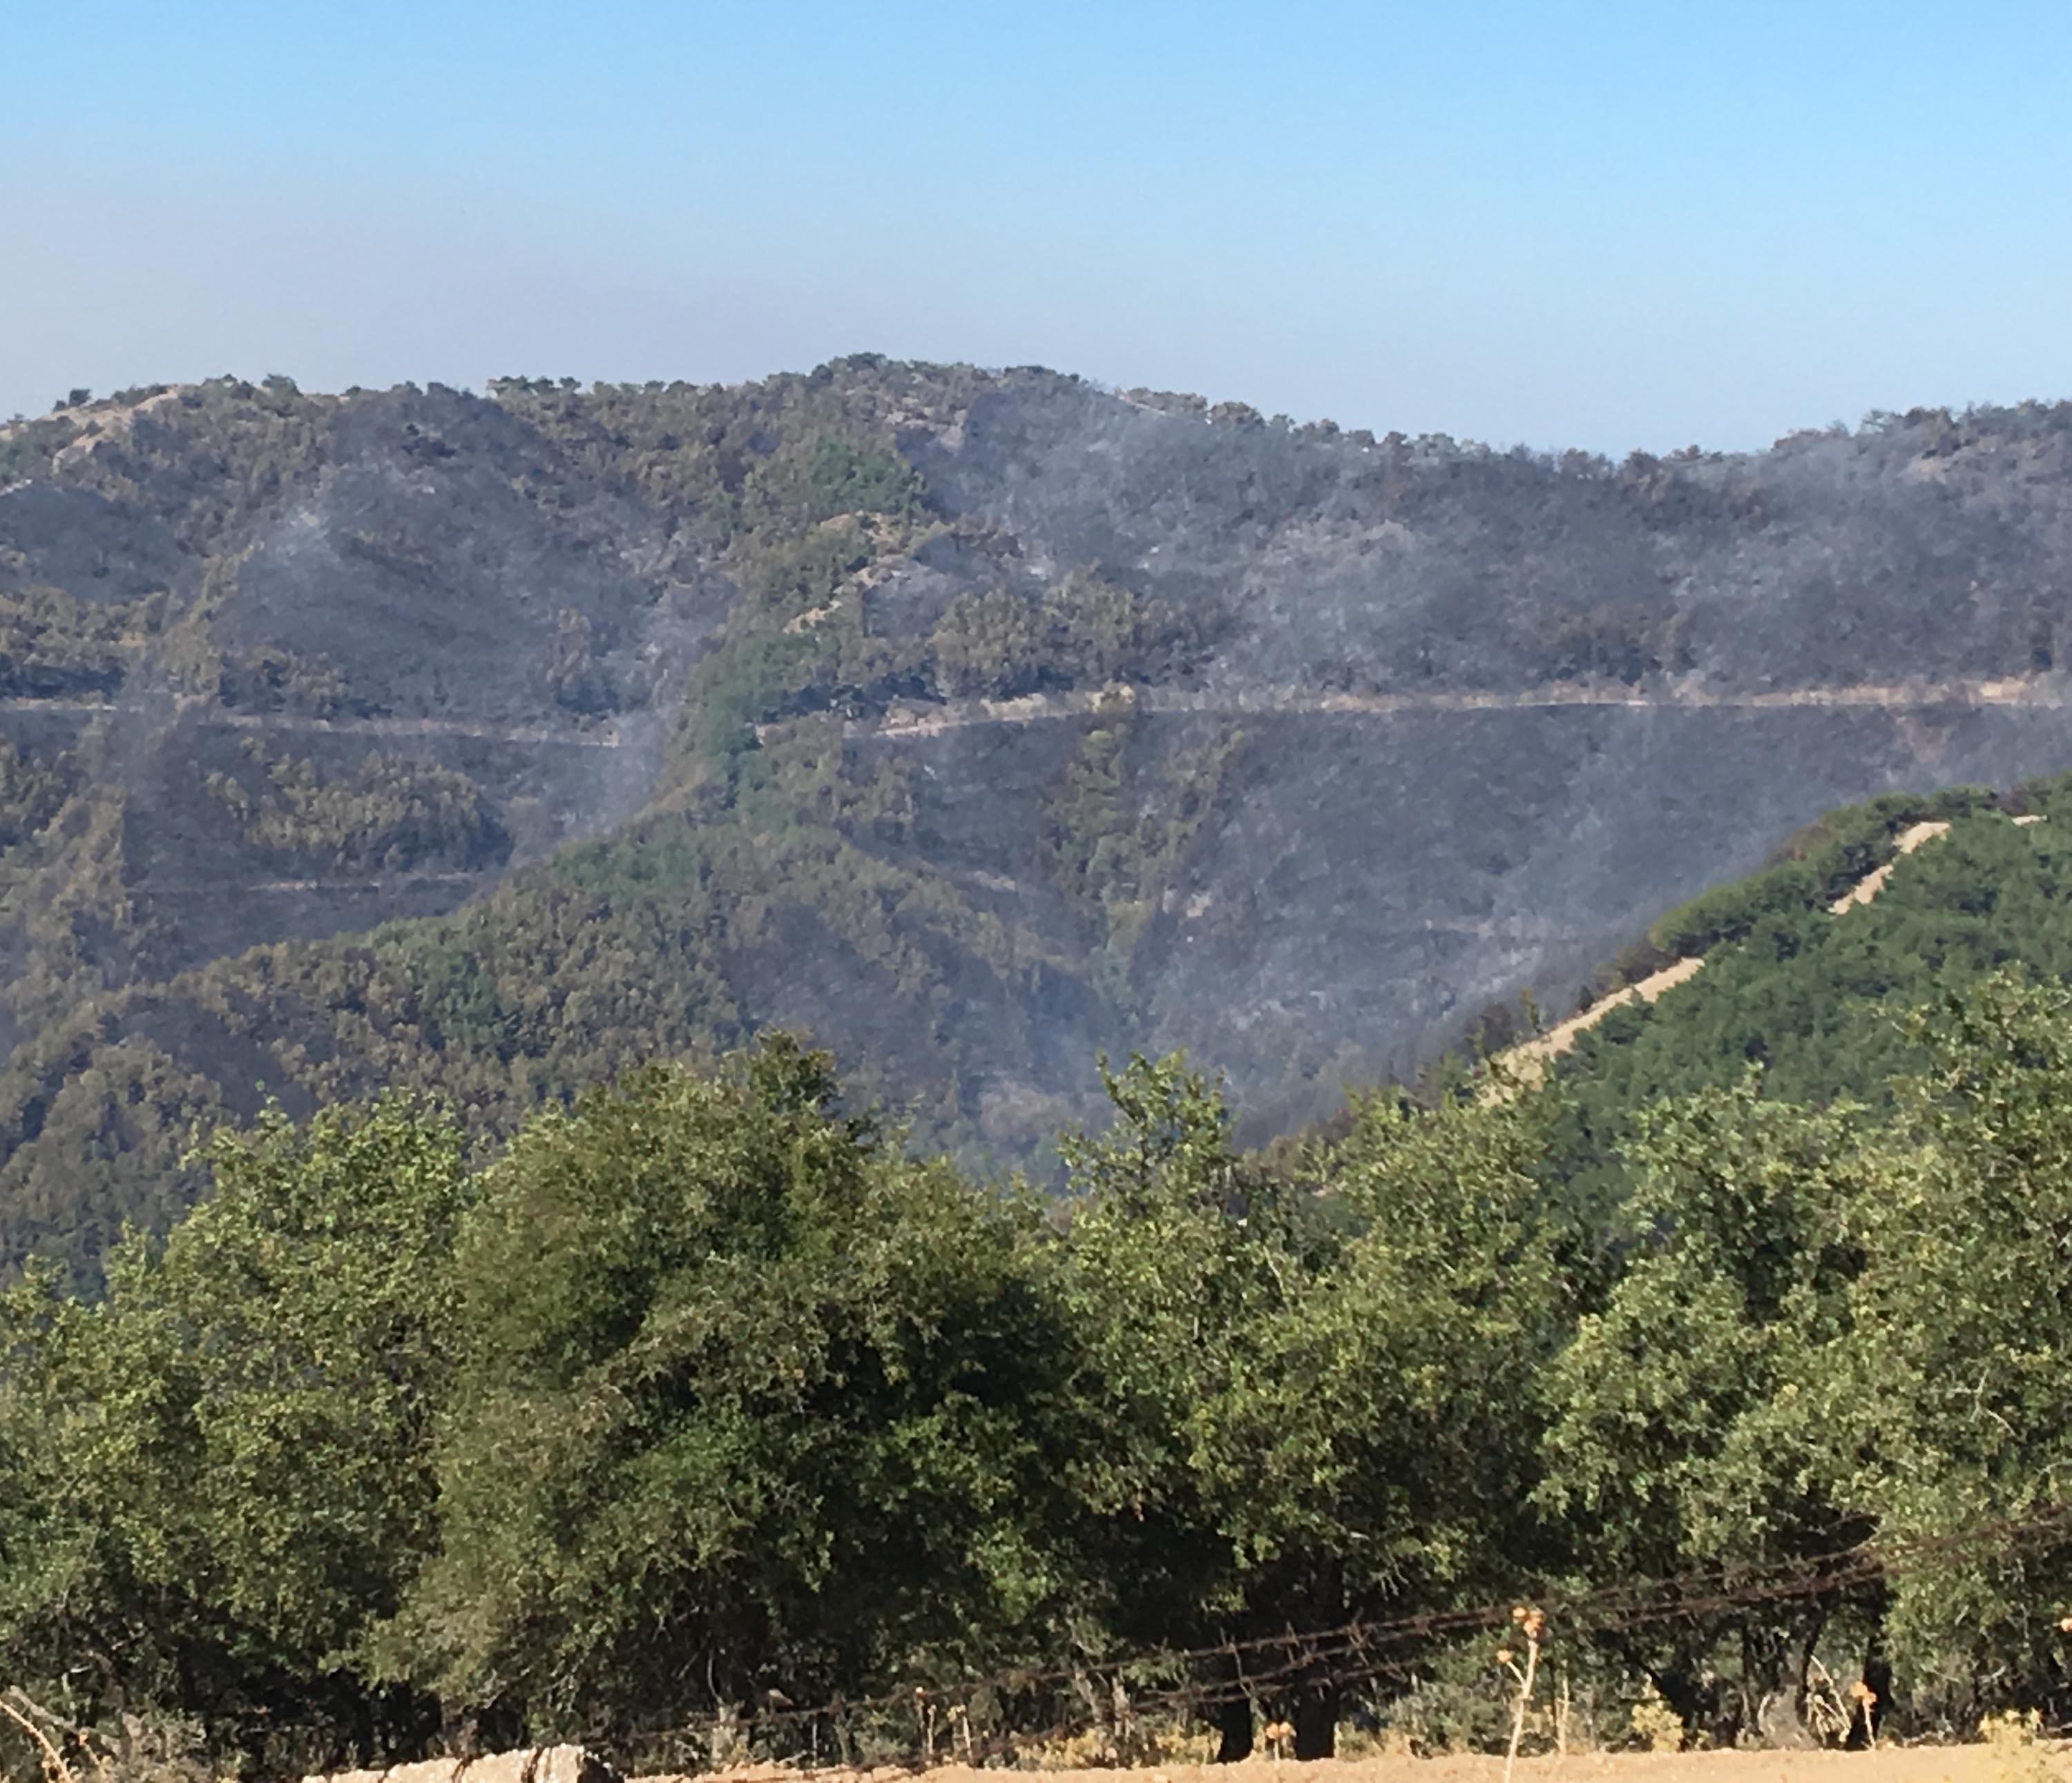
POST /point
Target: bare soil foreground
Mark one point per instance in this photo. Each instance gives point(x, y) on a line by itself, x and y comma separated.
point(1971, 1763)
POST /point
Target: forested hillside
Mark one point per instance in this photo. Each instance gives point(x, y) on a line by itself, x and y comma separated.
point(968, 721)
point(718, 1416)
point(1816, 992)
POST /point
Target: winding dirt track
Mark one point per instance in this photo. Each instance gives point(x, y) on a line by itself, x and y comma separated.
point(928, 720)
point(1525, 1064)
point(1873, 882)
point(566, 738)
point(1529, 1060)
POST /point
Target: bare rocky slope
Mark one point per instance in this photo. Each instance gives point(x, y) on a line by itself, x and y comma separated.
point(971, 722)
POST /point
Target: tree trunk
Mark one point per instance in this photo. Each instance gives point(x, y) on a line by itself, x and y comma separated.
point(1313, 1707)
point(1777, 1664)
point(1233, 1724)
point(1315, 1717)
point(1877, 1674)
point(1677, 1684)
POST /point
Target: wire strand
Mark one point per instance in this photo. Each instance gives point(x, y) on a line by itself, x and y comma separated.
point(1355, 1652)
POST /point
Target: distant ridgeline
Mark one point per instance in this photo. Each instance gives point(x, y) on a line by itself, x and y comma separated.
point(969, 723)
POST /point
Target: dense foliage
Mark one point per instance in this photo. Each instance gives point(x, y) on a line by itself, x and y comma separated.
point(708, 1394)
point(1815, 999)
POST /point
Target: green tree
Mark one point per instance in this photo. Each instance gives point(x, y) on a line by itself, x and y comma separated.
point(749, 1403)
point(1096, 632)
point(1693, 1419)
point(823, 476)
point(1455, 1291)
point(1963, 1377)
point(1304, 1423)
point(989, 643)
point(1176, 1267)
point(222, 1471)
point(1415, 1400)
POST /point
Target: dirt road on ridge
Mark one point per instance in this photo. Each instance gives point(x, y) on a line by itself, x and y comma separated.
point(916, 719)
point(1525, 1064)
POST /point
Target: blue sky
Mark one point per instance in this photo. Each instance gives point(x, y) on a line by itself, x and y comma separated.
point(1610, 225)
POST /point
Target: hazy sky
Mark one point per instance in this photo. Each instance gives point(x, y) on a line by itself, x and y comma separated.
point(1606, 225)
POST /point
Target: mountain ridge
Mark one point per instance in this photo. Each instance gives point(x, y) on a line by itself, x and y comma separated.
point(971, 722)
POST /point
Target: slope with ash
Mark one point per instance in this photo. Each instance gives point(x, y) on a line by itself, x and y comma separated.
point(971, 722)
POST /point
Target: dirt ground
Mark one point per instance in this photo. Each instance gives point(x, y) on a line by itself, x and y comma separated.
point(1900, 1764)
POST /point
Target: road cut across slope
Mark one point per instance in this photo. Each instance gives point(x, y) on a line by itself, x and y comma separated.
point(932, 719)
point(1529, 1060)
point(604, 737)
point(1873, 882)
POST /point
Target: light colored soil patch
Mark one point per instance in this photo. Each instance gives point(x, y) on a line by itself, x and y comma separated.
point(1874, 881)
point(1528, 1061)
point(1899, 1764)
point(112, 424)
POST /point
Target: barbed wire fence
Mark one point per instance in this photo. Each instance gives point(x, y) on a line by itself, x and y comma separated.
point(1125, 1700)
point(993, 1717)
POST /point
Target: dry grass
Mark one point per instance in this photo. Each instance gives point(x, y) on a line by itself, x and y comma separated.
point(1979, 1764)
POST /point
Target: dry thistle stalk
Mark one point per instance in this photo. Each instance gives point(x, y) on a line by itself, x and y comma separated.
point(55, 1767)
point(1529, 1622)
point(1866, 1699)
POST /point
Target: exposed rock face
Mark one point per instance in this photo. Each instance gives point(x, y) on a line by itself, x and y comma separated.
point(1367, 735)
